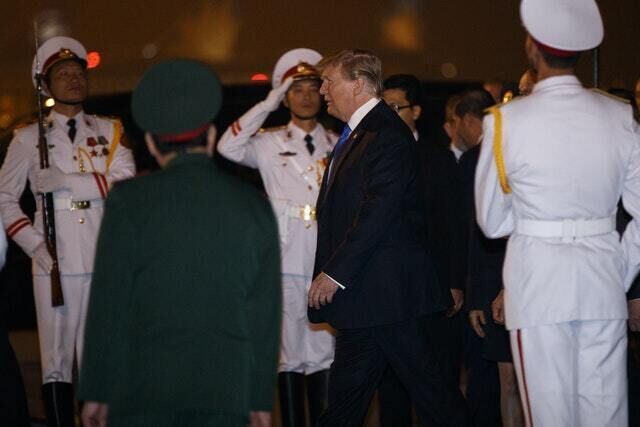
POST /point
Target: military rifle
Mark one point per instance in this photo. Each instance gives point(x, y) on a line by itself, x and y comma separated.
point(48, 210)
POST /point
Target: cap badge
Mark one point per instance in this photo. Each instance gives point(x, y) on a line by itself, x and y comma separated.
point(66, 53)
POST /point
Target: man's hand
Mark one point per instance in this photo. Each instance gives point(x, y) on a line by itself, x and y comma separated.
point(634, 314)
point(259, 419)
point(458, 300)
point(51, 179)
point(94, 414)
point(476, 318)
point(275, 97)
point(322, 290)
point(42, 257)
point(497, 308)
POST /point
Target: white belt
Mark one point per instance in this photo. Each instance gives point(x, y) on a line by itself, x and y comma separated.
point(567, 229)
point(305, 213)
point(72, 205)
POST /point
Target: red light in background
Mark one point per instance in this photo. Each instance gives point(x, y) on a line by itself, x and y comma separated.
point(259, 77)
point(93, 59)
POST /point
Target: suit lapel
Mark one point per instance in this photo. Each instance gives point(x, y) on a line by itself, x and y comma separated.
point(354, 139)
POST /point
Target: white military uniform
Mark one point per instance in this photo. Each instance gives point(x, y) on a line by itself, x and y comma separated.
point(95, 160)
point(569, 155)
point(292, 178)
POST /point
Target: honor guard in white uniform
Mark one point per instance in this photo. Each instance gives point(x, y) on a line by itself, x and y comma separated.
point(86, 154)
point(552, 168)
point(291, 160)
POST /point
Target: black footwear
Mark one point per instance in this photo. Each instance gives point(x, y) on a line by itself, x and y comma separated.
point(317, 394)
point(58, 404)
point(291, 389)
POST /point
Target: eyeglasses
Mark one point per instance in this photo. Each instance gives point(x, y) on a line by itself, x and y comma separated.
point(397, 108)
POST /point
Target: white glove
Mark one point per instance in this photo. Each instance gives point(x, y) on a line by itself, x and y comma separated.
point(275, 97)
point(51, 179)
point(42, 257)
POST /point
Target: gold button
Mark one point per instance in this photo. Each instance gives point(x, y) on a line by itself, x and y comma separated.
point(81, 220)
point(310, 168)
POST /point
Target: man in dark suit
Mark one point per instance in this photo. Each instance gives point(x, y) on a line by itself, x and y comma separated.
point(441, 195)
point(484, 272)
point(374, 280)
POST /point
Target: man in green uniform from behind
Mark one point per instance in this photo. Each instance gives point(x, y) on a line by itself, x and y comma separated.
point(183, 320)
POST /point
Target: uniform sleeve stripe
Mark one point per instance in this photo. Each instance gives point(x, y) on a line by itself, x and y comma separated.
point(13, 229)
point(103, 194)
point(235, 128)
point(105, 183)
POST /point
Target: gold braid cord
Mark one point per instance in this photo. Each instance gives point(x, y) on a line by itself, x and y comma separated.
point(497, 150)
point(117, 135)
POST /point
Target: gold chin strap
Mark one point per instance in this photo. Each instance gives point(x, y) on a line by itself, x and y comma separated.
point(497, 149)
point(117, 134)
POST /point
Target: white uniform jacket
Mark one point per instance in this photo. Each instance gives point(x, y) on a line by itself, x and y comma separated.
point(94, 161)
point(569, 155)
point(290, 175)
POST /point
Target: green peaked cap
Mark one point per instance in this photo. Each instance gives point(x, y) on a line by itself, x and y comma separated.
point(175, 97)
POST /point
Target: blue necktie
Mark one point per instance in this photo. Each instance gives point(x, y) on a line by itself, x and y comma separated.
point(341, 141)
point(339, 146)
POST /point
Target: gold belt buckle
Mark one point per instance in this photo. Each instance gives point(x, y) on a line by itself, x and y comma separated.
point(308, 213)
point(80, 204)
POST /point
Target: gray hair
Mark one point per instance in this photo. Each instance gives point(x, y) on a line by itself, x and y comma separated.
point(358, 64)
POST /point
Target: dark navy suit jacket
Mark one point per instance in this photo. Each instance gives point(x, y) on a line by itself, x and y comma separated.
point(371, 229)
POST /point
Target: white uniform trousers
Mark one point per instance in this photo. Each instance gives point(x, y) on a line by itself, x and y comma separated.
point(305, 347)
point(573, 374)
point(61, 329)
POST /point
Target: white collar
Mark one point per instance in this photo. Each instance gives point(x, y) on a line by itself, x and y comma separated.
point(61, 120)
point(300, 133)
point(456, 151)
point(556, 81)
point(362, 111)
point(415, 135)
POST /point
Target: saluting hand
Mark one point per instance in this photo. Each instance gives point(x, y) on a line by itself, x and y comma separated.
point(275, 96)
point(322, 290)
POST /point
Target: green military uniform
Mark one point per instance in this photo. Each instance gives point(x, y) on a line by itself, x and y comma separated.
point(184, 315)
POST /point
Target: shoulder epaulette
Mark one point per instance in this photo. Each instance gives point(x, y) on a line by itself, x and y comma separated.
point(494, 106)
point(514, 99)
point(25, 123)
point(272, 129)
point(109, 118)
point(609, 95)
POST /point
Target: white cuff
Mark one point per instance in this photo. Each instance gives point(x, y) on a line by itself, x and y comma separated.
point(334, 281)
